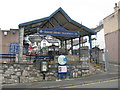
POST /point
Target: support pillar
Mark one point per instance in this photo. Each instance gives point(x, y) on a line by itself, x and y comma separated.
point(79, 48)
point(21, 38)
point(90, 41)
point(66, 46)
point(72, 46)
point(61, 44)
point(79, 54)
point(82, 41)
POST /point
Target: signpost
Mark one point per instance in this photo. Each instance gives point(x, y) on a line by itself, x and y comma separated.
point(62, 67)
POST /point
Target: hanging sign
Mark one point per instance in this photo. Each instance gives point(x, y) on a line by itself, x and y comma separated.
point(58, 31)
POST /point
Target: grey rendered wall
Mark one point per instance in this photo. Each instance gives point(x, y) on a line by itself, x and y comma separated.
point(111, 40)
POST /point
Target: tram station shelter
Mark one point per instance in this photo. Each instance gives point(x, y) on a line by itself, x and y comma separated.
point(59, 25)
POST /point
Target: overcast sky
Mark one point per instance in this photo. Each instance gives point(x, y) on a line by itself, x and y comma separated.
point(89, 12)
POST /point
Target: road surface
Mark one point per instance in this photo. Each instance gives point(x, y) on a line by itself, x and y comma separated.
point(103, 84)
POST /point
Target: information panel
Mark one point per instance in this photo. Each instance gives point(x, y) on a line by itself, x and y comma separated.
point(14, 48)
point(62, 69)
point(44, 66)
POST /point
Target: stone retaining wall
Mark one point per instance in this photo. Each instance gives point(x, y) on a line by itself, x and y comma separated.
point(21, 73)
point(24, 72)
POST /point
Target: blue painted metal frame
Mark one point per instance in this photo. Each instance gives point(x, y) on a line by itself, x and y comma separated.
point(30, 29)
point(34, 21)
point(90, 41)
point(65, 14)
point(7, 56)
point(39, 57)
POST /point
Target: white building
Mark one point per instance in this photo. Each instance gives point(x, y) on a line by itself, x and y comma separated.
point(49, 42)
point(99, 39)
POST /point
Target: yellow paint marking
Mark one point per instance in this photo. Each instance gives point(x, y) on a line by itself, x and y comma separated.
point(92, 83)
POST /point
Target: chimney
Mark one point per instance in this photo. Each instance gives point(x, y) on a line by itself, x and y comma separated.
point(116, 7)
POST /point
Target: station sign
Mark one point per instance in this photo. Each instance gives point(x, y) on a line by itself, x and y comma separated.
point(62, 60)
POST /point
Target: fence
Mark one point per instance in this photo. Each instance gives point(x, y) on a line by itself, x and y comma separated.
point(39, 57)
point(8, 57)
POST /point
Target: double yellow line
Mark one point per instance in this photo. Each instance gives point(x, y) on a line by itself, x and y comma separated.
point(92, 83)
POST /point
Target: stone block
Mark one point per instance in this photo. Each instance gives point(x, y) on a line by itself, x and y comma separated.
point(51, 73)
point(9, 81)
point(27, 68)
point(16, 80)
point(34, 70)
point(10, 71)
point(33, 74)
point(5, 66)
point(37, 74)
point(1, 71)
point(25, 73)
point(31, 78)
point(15, 69)
point(3, 81)
point(1, 66)
point(14, 76)
point(30, 65)
point(76, 69)
point(18, 73)
point(15, 65)
point(35, 80)
point(7, 76)
point(24, 79)
point(38, 71)
point(40, 78)
point(79, 72)
point(19, 69)
point(18, 65)
point(11, 67)
point(2, 78)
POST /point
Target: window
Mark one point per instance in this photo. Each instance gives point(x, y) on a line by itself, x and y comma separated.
point(44, 44)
